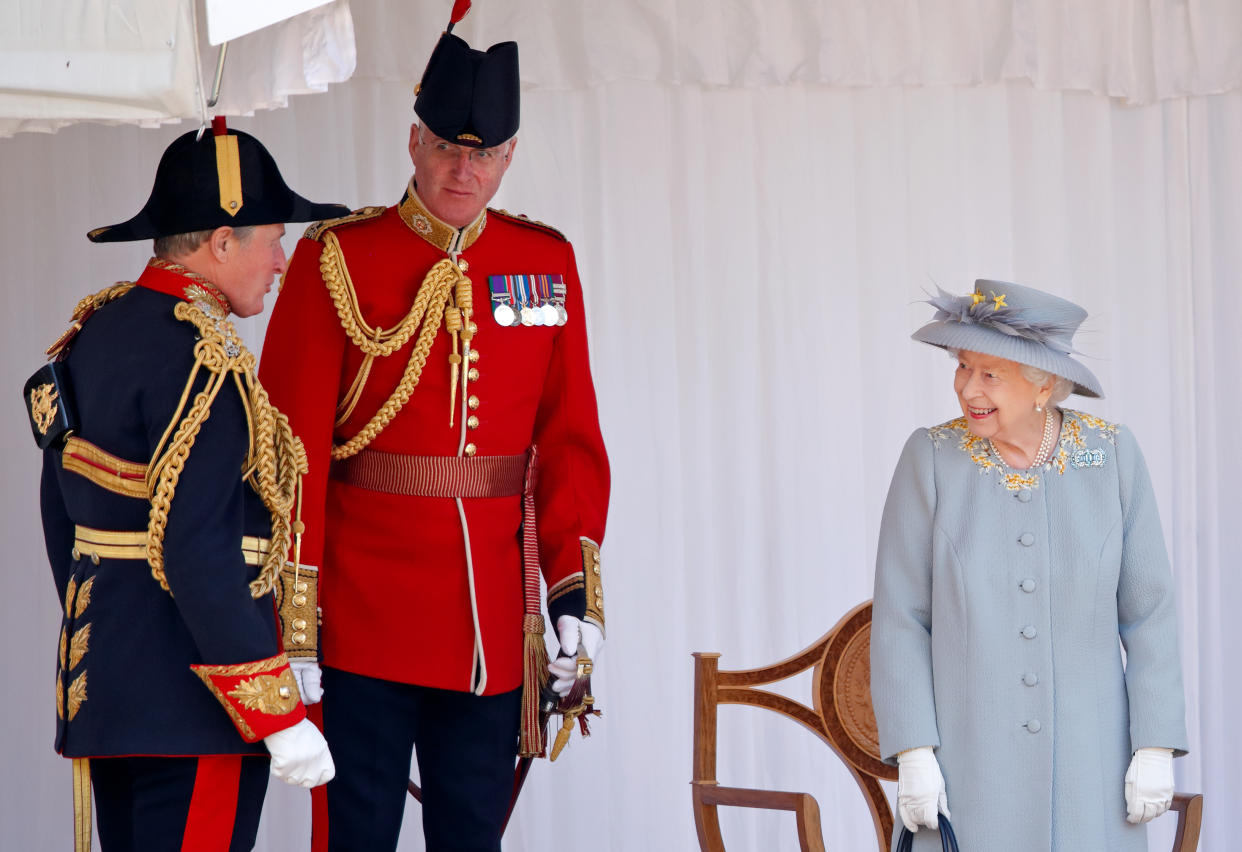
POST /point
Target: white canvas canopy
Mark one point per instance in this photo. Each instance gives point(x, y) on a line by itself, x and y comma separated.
point(152, 61)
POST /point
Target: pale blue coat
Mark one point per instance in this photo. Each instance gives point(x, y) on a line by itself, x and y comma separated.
point(999, 599)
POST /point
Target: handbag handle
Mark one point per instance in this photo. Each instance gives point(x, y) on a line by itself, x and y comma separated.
point(948, 840)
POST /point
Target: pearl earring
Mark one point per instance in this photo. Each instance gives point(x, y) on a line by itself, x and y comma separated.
point(1038, 407)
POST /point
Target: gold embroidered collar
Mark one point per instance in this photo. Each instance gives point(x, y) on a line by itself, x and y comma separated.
point(439, 233)
point(187, 285)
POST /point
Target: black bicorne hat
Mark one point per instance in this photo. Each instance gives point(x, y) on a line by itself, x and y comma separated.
point(470, 97)
point(225, 178)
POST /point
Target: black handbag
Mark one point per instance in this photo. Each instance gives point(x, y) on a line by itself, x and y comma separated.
point(948, 840)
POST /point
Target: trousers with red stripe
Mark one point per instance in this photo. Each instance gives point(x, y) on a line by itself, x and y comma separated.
point(178, 804)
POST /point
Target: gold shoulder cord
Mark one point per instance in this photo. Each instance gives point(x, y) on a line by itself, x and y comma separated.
point(275, 460)
point(428, 308)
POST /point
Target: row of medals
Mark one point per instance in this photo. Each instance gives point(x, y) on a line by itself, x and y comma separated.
point(547, 313)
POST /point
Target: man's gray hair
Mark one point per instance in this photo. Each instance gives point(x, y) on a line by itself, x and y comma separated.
point(174, 246)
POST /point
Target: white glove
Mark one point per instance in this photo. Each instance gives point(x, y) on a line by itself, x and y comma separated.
point(309, 677)
point(920, 789)
point(1149, 784)
point(300, 755)
point(570, 631)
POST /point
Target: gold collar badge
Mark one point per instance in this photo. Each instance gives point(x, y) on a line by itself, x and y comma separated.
point(439, 233)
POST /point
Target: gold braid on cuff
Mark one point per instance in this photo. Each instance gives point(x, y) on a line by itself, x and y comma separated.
point(594, 584)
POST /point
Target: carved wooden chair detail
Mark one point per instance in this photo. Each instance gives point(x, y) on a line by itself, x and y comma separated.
point(841, 716)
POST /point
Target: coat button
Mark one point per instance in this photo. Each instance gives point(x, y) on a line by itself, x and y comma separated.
point(1030, 678)
point(473, 374)
point(473, 357)
point(1026, 539)
point(472, 422)
point(1027, 585)
point(471, 449)
point(1029, 632)
point(472, 403)
point(1024, 496)
point(1033, 726)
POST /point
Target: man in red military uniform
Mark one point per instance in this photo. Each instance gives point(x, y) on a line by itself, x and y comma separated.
point(433, 358)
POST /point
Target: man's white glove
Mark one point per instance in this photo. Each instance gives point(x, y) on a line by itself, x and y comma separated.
point(1149, 784)
point(920, 789)
point(309, 676)
point(570, 631)
point(300, 755)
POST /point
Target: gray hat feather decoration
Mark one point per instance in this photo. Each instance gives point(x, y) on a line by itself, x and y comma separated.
point(1007, 320)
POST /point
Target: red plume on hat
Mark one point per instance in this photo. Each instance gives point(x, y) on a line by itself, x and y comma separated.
point(460, 8)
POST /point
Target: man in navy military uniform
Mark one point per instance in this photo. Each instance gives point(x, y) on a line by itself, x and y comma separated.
point(445, 402)
point(168, 481)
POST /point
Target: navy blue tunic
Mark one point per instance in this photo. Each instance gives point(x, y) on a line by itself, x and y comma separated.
point(125, 682)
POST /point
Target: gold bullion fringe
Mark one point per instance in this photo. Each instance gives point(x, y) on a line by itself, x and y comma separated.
point(84, 309)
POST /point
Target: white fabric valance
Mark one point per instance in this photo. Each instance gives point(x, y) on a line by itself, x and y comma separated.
point(135, 61)
point(1139, 51)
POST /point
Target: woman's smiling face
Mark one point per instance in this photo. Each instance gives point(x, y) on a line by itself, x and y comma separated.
point(997, 399)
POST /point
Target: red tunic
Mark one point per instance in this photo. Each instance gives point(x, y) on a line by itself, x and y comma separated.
point(394, 584)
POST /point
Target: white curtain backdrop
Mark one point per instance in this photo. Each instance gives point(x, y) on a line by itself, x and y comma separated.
point(753, 253)
point(1136, 50)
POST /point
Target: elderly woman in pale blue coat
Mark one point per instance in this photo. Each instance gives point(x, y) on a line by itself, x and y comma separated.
point(1019, 543)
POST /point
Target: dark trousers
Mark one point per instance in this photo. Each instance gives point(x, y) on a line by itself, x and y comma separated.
point(178, 804)
point(466, 747)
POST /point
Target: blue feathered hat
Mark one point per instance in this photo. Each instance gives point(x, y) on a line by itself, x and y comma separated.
point(1013, 322)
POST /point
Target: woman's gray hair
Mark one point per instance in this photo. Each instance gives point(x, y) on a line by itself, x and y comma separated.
point(1061, 388)
point(174, 246)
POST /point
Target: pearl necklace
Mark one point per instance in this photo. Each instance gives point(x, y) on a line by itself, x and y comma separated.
point(1045, 445)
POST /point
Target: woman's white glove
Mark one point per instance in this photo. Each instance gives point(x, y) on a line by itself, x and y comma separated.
point(309, 676)
point(920, 789)
point(300, 755)
point(570, 632)
point(1149, 784)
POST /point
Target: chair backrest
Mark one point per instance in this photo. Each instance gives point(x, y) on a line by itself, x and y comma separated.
point(841, 716)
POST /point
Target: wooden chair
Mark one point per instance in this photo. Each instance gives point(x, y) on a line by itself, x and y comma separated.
point(841, 716)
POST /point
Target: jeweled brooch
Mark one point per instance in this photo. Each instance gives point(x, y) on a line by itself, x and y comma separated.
point(1088, 458)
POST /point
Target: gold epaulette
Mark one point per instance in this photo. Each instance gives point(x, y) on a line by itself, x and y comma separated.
point(84, 309)
point(362, 214)
point(523, 219)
